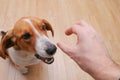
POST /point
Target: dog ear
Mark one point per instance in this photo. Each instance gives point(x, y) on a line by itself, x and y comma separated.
point(6, 42)
point(48, 26)
point(2, 33)
point(2, 54)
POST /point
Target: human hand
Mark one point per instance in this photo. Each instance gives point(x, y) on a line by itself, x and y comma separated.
point(90, 52)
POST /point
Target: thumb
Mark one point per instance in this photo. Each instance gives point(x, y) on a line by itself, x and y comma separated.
point(65, 48)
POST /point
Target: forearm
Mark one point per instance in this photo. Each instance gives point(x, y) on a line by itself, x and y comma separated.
point(104, 69)
point(109, 73)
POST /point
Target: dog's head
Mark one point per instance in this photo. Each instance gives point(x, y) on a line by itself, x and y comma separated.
point(29, 34)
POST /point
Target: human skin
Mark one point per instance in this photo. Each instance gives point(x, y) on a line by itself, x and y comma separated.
point(90, 52)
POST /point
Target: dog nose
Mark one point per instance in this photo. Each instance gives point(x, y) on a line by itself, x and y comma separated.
point(51, 49)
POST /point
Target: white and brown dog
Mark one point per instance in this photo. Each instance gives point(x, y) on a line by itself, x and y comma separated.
point(27, 43)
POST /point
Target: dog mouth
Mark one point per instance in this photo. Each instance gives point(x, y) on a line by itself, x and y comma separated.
point(45, 60)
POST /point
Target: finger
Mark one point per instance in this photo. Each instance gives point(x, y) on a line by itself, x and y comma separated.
point(74, 29)
point(83, 23)
point(87, 25)
point(69, 31)
point(65, 48)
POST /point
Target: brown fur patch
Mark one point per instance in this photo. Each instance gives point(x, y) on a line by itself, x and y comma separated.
point(20, 28)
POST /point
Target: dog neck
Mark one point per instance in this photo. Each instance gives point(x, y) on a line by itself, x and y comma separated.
point(21, 57)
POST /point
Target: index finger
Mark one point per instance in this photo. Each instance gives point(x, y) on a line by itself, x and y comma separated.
point(72, 30)
point(75, 29)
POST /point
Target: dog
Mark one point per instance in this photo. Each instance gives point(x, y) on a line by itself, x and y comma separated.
point(28, 43)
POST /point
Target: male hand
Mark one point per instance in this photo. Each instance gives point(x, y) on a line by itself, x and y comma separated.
point(90, 52)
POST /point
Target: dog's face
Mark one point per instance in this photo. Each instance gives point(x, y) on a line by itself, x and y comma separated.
point(29, 34)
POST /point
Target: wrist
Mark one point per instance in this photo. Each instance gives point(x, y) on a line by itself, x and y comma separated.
point(110, 72)
point(104, 69)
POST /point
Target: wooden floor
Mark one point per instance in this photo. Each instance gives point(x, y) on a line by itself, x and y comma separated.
point(104, 15)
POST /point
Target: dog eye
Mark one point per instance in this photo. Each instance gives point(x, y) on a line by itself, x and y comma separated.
point(26, 36)
point(44, 27)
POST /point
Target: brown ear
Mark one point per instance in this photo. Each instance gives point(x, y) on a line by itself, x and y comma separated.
point(6, 42)
point(48, 26)
point(2, 33)
point(2, 54)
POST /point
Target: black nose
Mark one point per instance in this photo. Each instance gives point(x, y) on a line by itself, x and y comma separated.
point(51, 50)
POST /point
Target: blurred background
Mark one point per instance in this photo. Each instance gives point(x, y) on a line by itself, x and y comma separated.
point(103, 15)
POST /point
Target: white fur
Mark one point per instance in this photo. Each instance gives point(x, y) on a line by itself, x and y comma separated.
point(32, 26)
point(40, 41)
point(41, 46)
point(24, 58)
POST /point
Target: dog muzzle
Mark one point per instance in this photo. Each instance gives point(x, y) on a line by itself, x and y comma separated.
point(45, 60)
